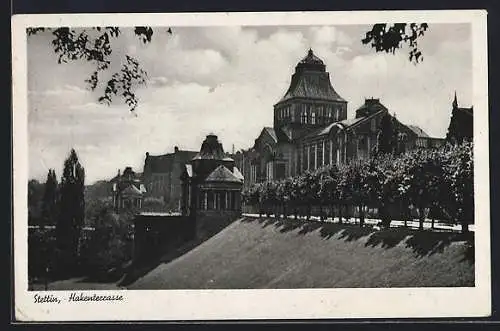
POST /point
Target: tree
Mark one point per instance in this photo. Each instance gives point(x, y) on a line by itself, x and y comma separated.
point(35, 197)
point(376, 186)
point(422, 182)
point(72, 210)
point(388, 38)
point(95, 45)
point(110, 243)
point(50, 199)
point(458, 197)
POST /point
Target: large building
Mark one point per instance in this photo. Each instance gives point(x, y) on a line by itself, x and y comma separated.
point(311, 129)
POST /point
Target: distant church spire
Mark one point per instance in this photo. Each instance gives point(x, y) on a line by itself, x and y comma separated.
point(455, 102)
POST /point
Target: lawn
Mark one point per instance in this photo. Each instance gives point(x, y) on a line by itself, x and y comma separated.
point(269, 253)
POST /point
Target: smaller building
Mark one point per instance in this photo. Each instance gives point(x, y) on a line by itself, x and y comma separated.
point(127, 190)
point(162, 177)
point(211, 186)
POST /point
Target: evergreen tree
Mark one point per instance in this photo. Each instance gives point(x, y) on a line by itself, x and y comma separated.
point(72, 211)
point(50, 197)
point(35, 196)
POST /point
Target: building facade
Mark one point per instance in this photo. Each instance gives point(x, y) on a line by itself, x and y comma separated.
point(311, 129)
point(127, 190)
point(162, 176)
point(461, 123)
point(211, 183)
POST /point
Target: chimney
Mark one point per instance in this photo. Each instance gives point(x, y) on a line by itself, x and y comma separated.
point(176, 149)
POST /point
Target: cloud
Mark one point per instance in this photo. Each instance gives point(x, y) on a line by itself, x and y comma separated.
point(65, 89)
point(225, 80)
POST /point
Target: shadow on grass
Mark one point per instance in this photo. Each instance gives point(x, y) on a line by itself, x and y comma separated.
point(422, 242)
point(138, 269)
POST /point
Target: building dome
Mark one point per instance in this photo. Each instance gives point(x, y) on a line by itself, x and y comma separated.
point(311, 58)
point(311, 81)
point(211, 149)
point(311, 63)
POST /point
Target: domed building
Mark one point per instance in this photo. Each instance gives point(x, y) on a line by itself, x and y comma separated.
point(311, 129)
point(211, 184)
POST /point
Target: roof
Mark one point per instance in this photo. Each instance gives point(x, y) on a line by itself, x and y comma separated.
point(271, 132)
point(418, 131)
point(326, 129)
point(277, 134)
point(370, 107)
point(165, 163)
point(189, 170)
point(311, 81)
point(211, 149)
point(468, 111)
point(312, 85)
point(310, 58)
point(223, 174)
point(238, 174)
point(134, 176)
point(131, 190)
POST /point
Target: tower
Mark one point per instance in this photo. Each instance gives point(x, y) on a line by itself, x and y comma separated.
point(310, 101)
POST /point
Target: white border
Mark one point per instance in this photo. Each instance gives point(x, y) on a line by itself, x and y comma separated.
point(259, 304)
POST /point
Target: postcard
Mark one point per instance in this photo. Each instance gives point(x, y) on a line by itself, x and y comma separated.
point(248, 166)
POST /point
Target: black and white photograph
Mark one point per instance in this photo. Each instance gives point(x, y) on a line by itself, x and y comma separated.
point(313, 161)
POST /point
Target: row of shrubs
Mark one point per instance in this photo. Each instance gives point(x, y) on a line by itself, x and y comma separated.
point(426, 182)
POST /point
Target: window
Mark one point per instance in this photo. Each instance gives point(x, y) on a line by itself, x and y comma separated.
point(313, 117)
point(305, 161)
point(319, 154)
point(223, 200)
point(210, 200)
point(327, 152)
point(270, 174)
point(312, 156)
point(303, 118)
point(373, 125)
point(338, 147)
point(280, 171)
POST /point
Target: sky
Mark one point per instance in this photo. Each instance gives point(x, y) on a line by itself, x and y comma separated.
point(225, 80)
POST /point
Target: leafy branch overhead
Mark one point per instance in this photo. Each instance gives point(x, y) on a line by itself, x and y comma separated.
point(388, 38)
point(95, 45)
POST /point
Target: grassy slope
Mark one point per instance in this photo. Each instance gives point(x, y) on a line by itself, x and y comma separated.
point(254, 253)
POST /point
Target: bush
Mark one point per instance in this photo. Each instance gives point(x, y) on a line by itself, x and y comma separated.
point(110, 244)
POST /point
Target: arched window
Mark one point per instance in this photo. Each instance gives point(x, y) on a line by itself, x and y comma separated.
point(313, 117)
